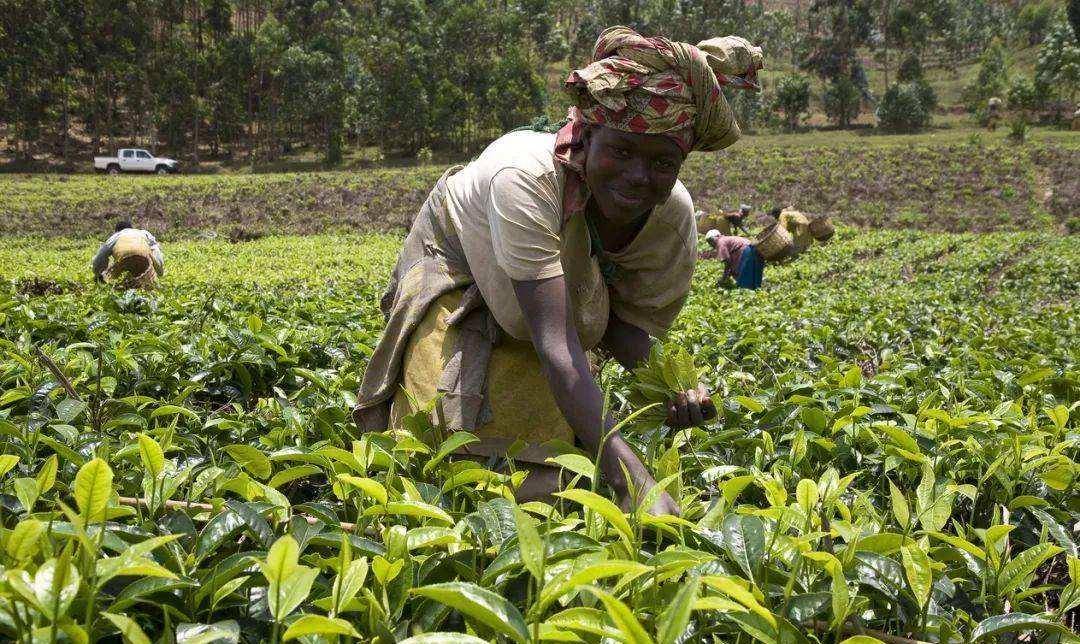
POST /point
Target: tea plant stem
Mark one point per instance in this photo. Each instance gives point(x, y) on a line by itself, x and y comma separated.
point(59, 375)
point(91, 613)
point(854, 629)
point(97, 399)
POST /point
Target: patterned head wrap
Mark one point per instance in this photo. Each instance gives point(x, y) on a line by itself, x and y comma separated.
point(655, 86)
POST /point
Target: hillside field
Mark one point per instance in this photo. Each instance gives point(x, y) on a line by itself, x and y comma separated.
point(951, 180)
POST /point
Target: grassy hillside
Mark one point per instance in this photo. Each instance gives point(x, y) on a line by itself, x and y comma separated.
point(937, 181)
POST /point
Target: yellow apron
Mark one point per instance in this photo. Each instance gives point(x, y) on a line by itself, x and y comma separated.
point(522, 405)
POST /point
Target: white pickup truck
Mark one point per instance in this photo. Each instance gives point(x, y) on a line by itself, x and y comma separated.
point(135, 160)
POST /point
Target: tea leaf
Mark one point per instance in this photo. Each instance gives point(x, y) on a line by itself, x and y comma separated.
point(623, 618)
point(603, 507)
point(441, 638)
point(1015, 622)
point(22, 542)
point(223, 632)
point(93, 486)
point(1014, 573)
point(7, 461)
point(530, 544)
point(153, 458)
point(319, 625)
point(918, 572)
point(744, 541)
point(129, 628)
point(251, 459)
point(899, 506)
point(482, 605)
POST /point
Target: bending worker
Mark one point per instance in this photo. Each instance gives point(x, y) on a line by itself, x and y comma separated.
point(993, 113)
point(137, 260)
point(552, 244)
point(725, 223)
point(742, 262)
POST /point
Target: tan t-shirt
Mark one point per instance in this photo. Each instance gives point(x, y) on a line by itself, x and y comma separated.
point(506, 207)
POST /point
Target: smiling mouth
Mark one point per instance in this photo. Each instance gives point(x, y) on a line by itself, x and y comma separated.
point(628, 199)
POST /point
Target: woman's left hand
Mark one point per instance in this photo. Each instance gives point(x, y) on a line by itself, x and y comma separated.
point(691, 408)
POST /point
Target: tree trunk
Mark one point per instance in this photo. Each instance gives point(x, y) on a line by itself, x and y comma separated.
point(195, 78)
point(65, 123)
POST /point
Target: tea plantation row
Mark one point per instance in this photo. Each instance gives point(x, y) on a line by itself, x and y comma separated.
point(892, 182)
point(896, 458)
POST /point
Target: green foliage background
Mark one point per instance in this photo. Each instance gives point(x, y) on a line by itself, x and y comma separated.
point(250, 82)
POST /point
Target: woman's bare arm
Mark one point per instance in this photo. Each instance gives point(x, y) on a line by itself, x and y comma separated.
point(627, 343)
point(546, 305)
point(630, 345)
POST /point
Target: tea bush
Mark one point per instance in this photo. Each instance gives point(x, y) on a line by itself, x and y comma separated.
point(896, 455)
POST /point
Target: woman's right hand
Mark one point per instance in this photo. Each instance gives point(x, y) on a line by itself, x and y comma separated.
point(691, 408)
point(547, 309)
point(664, 504)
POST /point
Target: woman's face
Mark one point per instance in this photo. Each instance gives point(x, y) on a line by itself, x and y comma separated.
point(629, 174)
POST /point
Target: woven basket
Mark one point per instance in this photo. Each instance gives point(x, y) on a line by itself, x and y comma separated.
point(133, 271)
point(821, 228)
point(710, 221)
point(774, 243)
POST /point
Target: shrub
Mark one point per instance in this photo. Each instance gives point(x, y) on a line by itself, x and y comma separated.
point(910, 69)
point(1018, 130)
point(1073, 13)
point(843, 101)
point(1057, 72)
point(1024, 95)
point(927, 95)
point(905, 107)
point(1033, 21)
point(516, 91)
point(792, 98)
point(989, 82)
point(747, 109)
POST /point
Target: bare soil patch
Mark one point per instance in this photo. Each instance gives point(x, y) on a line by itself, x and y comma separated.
point(955, 187)
point(40, 287)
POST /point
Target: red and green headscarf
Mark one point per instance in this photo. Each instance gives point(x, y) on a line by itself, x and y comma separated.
point(655, 86)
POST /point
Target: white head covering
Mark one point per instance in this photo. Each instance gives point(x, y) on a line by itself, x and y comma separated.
point(712, 234)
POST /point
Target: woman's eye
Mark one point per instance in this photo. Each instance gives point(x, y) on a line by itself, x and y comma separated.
point(665, 165)
point(621, 153)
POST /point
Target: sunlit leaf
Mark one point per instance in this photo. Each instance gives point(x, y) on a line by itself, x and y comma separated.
point(93, 485)
point(488, 608)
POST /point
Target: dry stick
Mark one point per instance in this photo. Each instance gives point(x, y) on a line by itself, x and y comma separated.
point(59, 375)
point(853, 629)
point(206, 507)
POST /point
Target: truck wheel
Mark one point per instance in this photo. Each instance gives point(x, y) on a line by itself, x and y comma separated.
point(162, 170)
point(113, 169)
